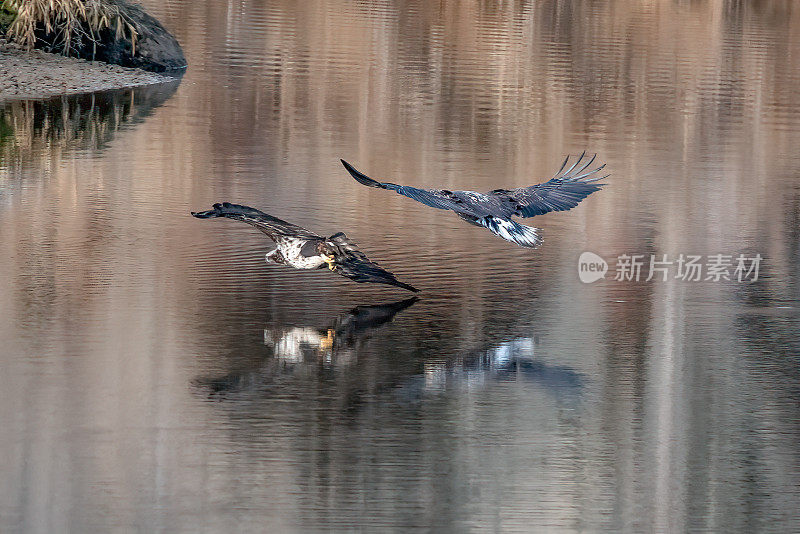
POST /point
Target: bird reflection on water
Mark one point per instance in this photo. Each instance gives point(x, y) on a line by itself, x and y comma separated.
point(303, 346)
point(334, 353)
point(512, 360)
point(334, 344)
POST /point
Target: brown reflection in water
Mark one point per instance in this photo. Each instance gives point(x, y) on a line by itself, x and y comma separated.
point(35, 129)
point(118, 300)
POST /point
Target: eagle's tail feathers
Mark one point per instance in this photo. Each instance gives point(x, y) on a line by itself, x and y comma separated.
point(524, 236)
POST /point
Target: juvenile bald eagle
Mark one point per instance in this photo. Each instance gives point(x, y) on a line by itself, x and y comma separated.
point(302, 249)
point(493, 210)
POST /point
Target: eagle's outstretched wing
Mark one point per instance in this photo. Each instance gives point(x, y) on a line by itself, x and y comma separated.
point(354, 264)
point(563, 192)
point(274, 228)
point(467, 203)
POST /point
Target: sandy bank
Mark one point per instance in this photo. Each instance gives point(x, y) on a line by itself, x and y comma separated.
point(38, 74)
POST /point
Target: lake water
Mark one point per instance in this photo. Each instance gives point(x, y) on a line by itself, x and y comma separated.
point(158, 376)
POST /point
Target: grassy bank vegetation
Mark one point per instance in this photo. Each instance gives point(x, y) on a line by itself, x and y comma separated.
point(64, 26)
point(6, 18)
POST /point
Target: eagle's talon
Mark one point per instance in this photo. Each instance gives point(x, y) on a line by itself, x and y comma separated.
point(326, 343)
point(331, 261)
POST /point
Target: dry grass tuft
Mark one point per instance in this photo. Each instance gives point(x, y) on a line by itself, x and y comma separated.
point(68, 23)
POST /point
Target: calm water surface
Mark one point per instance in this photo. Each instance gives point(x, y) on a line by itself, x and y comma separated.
point(158, 376)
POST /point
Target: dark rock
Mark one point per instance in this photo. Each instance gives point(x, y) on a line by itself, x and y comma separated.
point(155, 49)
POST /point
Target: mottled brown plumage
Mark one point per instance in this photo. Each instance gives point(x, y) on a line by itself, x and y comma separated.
point(303, 249)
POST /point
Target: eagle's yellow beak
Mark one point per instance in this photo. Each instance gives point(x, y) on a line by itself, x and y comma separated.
point(331, 261)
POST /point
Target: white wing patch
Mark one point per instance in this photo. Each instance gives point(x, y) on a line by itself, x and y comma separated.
point(524, 236)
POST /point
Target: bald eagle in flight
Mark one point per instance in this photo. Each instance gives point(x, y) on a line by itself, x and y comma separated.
point(493, 210)
point(302, 249)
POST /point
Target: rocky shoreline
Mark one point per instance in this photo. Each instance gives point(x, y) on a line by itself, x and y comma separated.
point(36, 74)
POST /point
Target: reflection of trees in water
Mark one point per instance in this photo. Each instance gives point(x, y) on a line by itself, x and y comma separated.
point(484, 71)
point(43, 130)
point(769, 318)
point(36, 138)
